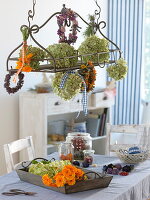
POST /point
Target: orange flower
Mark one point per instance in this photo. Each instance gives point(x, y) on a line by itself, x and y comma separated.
point(83, 66)
point(53, 185)
point(30, 55)
point(57, 175)
point(19, 63)
point(79, 174)
point(60, 181)
point(66, 172)
point(71, 168)
point(46, 180)
point(27, 60)
point(27, 69)
point(71, 182)
point(70, 177)
point(90, 63)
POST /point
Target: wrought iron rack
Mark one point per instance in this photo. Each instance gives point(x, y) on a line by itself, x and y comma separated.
point(51, 68)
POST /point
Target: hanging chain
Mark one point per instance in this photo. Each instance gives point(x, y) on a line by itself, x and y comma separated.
point(31, 13)
point(97, 13)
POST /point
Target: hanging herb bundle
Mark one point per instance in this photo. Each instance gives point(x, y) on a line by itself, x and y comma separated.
point(89, 74)
point(119, 70)
point(94, 44)
point(31, 62)
point(90, 29)
point(71, 87)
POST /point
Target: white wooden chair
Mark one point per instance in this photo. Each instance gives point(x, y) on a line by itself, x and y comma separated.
point(138, 134)
point(16, 146)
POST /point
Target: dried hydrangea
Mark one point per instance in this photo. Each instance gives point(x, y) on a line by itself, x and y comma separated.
point(119, 70)
point(38, 54)
point(72, 85)
point(63, 50)
point(94, 44)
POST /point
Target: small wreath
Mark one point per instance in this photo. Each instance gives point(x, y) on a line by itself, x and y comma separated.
point(89, 74)
point(19, 84)
point(64, 19)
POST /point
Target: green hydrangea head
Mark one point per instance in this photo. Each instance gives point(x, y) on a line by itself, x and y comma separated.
point(63, 50)
point(94, 44)
point(72, 85)
point(38, 54)
point(119, 70)
point(51, 168)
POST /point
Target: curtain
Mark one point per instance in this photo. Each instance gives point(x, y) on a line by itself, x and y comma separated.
point(125, 28)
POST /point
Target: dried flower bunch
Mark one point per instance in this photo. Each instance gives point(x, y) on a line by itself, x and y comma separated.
point(32, 57)
point(25, 65)
point(61, 51)
point(89, 74)
point(90, 29)
point(19, 83)
point(67, 176)
point(119, 70)
point(67, 15)
point(72, 85)
point(94, 44)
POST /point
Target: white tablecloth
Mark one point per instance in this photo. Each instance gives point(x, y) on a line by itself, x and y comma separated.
point(135, 186)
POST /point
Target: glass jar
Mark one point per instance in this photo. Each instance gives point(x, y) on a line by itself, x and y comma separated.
point(89, 156)
point(80, 141)
point(66, 151)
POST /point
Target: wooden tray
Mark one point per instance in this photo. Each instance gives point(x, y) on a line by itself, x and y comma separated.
point(95, 181)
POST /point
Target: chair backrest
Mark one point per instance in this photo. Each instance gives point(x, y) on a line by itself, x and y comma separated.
point(16, 146)
point(137, 132)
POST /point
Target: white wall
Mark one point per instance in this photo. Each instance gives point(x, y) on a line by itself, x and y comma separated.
point(12, 15)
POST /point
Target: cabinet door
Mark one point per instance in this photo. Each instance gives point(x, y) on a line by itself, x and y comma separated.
point(33, 122)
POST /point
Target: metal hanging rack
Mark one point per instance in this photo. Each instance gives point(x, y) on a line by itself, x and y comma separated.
point(51, 68)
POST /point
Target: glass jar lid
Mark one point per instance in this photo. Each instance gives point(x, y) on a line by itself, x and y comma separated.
point(89, 151)
point(78, 134)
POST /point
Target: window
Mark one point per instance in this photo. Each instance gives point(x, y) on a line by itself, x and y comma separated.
point(147, 51)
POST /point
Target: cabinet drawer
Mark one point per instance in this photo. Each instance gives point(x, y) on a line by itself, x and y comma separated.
point(76, 104)
point(97, 99)
point(56, 105)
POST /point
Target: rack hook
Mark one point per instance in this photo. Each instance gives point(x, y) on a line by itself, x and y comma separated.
point(63, 10)
point(31, 13)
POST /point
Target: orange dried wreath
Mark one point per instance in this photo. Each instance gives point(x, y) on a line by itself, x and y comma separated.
point(89, 74)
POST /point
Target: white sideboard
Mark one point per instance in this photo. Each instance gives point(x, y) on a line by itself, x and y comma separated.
point(37, 109)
